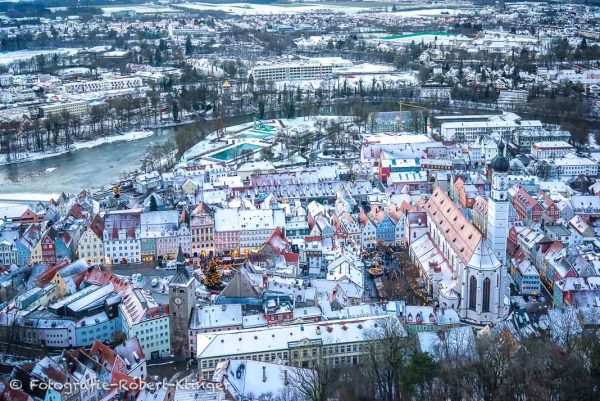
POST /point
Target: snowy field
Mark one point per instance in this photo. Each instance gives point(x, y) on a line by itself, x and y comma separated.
point(11, 199)
point(140, 9)
point(19, 55)
point(128, 136)
point(364, 68)
point(266, 9)
point(429, 12)
point(354, 8)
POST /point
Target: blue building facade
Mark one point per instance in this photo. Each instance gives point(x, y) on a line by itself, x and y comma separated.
point(386, 230)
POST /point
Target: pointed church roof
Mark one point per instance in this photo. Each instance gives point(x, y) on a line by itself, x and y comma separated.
point(240, 286)
point(180, 256)
point(483, 258)
point(182, 276)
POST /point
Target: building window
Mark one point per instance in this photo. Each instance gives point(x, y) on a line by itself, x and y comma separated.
point(486, 295)
point(472, 293)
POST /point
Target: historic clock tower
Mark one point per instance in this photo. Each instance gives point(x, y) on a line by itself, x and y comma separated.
point(182, 298)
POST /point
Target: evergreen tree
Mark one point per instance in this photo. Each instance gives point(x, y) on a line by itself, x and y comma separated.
point(261, 109)
point(188, 46)
point(153, 205)
point(212, 276)
point(175, 111)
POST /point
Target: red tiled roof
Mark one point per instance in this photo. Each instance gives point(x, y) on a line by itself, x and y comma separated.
point(460, 233)
point(104, 353)
point(525, 198)
point(97, 225)
point(95, 275)
point(76, 212)
point(123, 382)
point(45, 278)
point(291, 257)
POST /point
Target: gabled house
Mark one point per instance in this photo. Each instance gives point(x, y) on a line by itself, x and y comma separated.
point(26, 244)
point(202, 226)
point(368, 231)
point(398, 216)
point(581, 231)
point(45, 250)
point(527, 207)
point(64, 246)
point(90, 247)
point(347, 267)
point(551, 211)
point(385, 227)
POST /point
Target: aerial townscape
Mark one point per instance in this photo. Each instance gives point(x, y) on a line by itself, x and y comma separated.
point(298, 200)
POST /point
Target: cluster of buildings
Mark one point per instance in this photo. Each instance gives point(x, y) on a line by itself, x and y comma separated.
point(493, 215)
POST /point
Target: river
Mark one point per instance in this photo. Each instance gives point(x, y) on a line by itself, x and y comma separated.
point(91, 168)
point(98, 167)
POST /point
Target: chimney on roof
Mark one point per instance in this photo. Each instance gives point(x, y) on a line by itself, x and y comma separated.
point(264, 374)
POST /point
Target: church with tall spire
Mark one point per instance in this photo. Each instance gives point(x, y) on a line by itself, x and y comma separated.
point(497, 216)
point(463, 269)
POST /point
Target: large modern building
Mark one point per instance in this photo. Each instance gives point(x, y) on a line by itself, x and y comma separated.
point(102, 85)
point(550, 149)
point(571, 165)
point(75, 108)
point(498, 125)
point(314, 68)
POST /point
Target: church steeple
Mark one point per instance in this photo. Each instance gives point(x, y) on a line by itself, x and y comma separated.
point(500, 163)
point(182, 276)
point(180, 257)
point(497, 227)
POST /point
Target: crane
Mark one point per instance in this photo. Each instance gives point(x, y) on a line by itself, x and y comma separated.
point(414, 106)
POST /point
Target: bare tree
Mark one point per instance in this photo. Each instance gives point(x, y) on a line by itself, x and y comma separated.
point(386, 359)
point(316, 382)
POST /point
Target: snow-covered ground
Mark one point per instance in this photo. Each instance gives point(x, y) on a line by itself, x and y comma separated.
point(140, 9)
point(365, 68)
point(19, 55)
point(25, 197)
point(266, 9)
point(128, 136)
point(429, 12)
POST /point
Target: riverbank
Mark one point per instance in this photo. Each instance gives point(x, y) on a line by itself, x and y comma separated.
point(34, 156)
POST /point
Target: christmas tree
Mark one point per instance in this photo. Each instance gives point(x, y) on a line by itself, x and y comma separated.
point(212, 276)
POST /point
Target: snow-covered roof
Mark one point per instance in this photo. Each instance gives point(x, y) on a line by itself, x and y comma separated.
point(241, 342)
